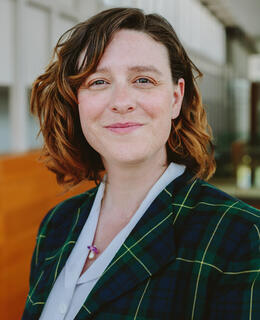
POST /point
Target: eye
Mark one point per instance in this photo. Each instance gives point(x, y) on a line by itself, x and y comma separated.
point(143, 80)
point(97, 83)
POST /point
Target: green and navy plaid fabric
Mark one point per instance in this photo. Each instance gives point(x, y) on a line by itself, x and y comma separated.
point(195, 254)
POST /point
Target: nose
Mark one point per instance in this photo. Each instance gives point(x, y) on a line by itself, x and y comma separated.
point(122, 100)
point(122, 109)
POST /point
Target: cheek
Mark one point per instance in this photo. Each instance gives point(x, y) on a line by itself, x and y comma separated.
point(84, 117)
point(160, 107)
point(162, 111)
point(89, 110)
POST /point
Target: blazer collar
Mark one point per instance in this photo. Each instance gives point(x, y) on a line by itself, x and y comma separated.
point(149, 247)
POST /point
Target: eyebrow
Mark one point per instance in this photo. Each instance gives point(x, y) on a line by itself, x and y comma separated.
point(148, 68)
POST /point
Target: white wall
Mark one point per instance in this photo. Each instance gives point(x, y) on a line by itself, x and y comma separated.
point(254, 67)
point(36, 39)
point(29, 29)
point(7, 42)
point(197, 28)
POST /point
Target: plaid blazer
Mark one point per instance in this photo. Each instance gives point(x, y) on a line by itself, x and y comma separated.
point(195, 254)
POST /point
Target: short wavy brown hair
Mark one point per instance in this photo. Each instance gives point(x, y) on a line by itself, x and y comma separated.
point(54, 97)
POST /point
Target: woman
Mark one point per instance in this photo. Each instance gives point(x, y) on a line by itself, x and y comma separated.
point(152, 240)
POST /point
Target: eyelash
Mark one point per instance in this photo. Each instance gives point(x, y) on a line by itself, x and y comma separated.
point(148, 80)
point(95, 83)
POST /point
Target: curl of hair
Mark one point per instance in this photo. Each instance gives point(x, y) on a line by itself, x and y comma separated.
point(54, 97)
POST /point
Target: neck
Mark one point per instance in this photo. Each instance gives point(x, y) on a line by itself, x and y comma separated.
point(127, 186)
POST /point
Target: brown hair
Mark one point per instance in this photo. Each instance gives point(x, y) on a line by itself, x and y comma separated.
point(54, 97)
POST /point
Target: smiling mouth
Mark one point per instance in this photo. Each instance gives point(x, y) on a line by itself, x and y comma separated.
point(125, 127)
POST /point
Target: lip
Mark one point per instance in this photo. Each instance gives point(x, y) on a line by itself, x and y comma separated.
point(124, 127)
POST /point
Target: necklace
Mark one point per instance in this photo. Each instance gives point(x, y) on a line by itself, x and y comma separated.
point(93, 250)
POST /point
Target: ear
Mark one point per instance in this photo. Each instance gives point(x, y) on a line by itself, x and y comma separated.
point(178, 95)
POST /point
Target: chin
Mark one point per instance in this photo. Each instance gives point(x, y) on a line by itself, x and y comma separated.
point(130, 160)
point(132, 154)
point(134, 158)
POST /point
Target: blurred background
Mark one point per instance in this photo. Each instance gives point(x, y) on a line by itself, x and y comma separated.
point(222, 37)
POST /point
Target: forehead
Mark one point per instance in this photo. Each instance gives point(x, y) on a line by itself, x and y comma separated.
point(130, 47)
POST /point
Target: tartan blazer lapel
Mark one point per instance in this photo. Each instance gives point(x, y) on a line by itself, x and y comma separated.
point(149, 247)
point(71, 231)
point(61, 239)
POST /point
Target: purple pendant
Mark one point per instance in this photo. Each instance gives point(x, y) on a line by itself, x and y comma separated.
point(93, 251)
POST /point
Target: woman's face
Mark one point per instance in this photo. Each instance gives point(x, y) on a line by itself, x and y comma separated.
point(127, 105)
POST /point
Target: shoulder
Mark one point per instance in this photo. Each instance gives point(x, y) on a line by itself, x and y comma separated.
point(66, 218)
point(227, 204)
point(199, 195)
point(216, 226)
point(66, 210)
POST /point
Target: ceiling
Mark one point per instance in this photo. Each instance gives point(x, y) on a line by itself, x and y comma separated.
point(244, 14)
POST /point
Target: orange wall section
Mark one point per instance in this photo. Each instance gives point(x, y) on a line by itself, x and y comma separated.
point(27, 191)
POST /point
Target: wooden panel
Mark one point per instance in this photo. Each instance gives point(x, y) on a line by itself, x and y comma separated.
point(27, 191)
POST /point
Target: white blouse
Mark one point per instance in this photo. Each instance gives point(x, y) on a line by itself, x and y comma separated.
point(70, 289)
